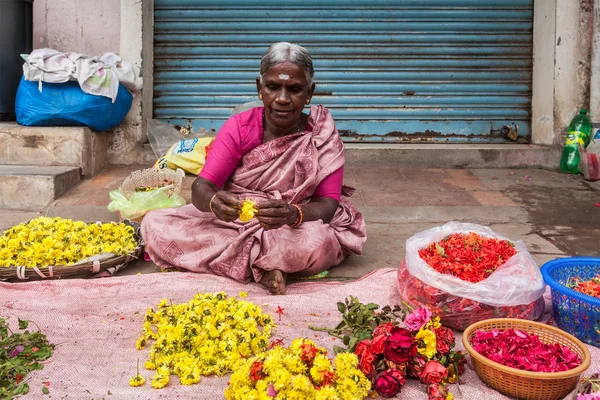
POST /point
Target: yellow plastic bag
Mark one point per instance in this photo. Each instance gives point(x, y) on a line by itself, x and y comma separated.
point(189, 155)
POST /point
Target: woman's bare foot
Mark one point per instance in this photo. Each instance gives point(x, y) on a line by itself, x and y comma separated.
point(274, 281)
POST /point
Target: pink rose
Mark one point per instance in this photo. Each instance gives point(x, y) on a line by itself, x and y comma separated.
point(436, 391)
point(419, 317)
point(416, 366)
point(434, 372)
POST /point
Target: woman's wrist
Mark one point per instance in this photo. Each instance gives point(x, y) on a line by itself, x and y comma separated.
point(298, 216)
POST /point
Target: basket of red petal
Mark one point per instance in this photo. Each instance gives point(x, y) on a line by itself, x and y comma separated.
point(575, 287)
point(466, 273)
point(525, 359)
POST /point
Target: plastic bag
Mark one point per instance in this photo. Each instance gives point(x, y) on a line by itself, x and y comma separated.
point(458, 312)
point(139, 203)
point(65, 104)
point(515, 288)
point(189, 155)
point(162, 136)
point(589, 162)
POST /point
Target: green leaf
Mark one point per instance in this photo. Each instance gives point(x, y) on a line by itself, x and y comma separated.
point(20, 388)
point(341, 307)
point(338, 349)
point(346, 339)
point(23, 324)
point(440, 249)
point(353, 342)
point(45, 390)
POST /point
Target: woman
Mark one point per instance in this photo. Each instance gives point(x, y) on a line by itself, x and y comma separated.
point(291, 164)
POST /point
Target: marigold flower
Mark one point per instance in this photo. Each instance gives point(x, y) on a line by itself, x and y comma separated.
point(247, 211)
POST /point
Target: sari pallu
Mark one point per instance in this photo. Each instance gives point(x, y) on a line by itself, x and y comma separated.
point(288, 168)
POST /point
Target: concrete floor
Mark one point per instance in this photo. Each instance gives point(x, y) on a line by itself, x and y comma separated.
point(556, 215)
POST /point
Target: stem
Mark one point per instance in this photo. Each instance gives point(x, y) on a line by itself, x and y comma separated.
point(330, 331)
point(405, 304)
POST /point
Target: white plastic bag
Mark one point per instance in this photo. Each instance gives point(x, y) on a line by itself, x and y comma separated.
point(516, 282)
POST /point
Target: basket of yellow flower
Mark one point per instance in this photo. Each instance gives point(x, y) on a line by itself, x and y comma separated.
point(53, 248)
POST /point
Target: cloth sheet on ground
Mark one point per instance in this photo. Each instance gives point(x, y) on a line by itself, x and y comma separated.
point(95, 323)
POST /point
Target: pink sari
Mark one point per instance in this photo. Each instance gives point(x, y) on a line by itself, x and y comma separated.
point(288, 168)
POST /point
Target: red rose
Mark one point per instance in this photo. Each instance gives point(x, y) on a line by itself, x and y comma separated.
point(399, 346)
point(367, 363)
point(389, 383)
point(377, 344)
point(435, 391)
point(434, 372)
point(444, 338)
point(442, 347)
point(383, 329)
point(361, 347)
point(416, 366)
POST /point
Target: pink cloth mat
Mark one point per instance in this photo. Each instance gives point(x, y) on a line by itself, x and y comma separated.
point(95, 323)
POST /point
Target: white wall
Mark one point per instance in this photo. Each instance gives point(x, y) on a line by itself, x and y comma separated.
point(572, 67)
point(89, 27)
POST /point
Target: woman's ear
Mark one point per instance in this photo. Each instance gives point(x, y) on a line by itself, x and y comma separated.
point(258, 85)
point(311, 91)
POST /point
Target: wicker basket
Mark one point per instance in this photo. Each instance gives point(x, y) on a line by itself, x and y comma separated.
point(106, 266)
point(525, 384)
point(152, 177)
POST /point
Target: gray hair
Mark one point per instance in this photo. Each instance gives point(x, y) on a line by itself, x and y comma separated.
point(282, 52)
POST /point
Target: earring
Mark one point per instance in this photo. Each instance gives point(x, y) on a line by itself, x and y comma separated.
point(307, 101)
point(260, 96)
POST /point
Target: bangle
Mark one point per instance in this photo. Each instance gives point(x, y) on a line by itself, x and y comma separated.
point(210, 203)
point(300, 216)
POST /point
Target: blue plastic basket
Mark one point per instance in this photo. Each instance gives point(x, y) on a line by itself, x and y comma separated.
point(576, 313)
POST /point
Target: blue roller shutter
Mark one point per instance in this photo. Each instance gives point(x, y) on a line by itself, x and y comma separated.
point(393, 70)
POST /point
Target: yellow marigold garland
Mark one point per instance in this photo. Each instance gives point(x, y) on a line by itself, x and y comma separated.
point(301, 372)
point(45, 241)
point(209, 335)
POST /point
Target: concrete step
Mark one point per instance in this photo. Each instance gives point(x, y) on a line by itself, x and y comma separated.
point(451, 155)
point(31, 187)
point(426, 155)
point(65, 146)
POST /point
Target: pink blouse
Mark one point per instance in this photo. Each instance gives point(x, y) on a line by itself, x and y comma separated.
point(242, 133)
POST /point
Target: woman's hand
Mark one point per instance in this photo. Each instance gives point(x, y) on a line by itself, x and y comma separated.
point(226, 206)
point(273, 214)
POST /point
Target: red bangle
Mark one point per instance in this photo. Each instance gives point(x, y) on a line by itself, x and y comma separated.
point(300, 217)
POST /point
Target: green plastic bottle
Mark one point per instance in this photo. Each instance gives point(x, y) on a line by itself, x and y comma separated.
point(580, 130)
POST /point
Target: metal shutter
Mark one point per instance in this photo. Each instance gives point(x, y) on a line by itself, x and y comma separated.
point(393, 70)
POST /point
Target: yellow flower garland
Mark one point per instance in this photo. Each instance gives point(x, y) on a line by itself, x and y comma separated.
point(209, 335)
point(301, 372)
point(45, 241)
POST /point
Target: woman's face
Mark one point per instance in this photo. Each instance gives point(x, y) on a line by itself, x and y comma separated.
point(284, 91)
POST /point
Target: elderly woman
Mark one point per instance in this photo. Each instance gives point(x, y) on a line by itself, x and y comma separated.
point(291, 164)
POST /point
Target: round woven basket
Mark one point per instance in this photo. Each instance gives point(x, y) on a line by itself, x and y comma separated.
point(525, 384)
point(106, 266)
point(153, 178)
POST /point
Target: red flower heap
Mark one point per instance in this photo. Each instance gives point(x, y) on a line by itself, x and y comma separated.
point(467, 256)
point(591, 287)
point(422, 350)
point(525, 351)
